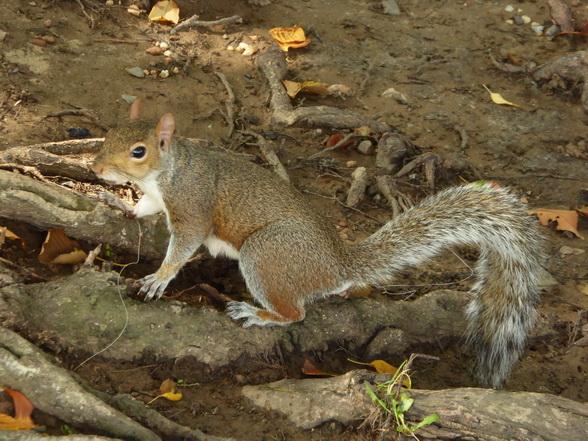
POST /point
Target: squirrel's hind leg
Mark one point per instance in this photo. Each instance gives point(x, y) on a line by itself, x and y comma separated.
point(262, 317)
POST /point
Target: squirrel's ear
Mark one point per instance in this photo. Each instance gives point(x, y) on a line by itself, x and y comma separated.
point(165, 130)
point(136, 110)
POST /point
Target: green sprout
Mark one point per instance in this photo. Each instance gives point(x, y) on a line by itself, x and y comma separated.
point(397, 400)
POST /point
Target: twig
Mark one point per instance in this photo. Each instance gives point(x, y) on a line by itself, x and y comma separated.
point(464, 137)
point(365, 80)
point(333, 198)
point(269, 154)
point(89, 17)
point(115, 40)
point(193, 22)
point(230, 102)
point(79, 111)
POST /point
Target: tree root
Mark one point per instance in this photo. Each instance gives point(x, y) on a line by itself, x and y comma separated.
point(273, 65)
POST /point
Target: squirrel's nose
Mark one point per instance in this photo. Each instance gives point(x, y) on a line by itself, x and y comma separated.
point(97, 168)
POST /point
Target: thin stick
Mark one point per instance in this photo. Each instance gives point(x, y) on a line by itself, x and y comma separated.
point(333, 198)
point(230, 102)
point(269, 154)
point(193, 22)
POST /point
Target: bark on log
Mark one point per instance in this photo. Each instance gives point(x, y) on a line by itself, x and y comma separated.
point(465, 413)
point(47, 206)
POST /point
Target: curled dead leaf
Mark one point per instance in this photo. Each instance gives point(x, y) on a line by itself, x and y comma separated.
point(287, 38)
point(60, 249)
point(165, 11)
point(564, 220)
point(498, 99)
point(22, 413)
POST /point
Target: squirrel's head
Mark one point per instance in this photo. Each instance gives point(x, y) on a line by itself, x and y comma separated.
point(136, 150)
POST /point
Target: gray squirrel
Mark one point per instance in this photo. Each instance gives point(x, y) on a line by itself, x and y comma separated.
point(289, 255)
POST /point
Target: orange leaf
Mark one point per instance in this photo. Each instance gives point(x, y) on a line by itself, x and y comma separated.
point(286, 38)
point(165, 11)
point(58, 248)
point(168, 385)
point(22, 411)
point(565, 220)
point(309, 369)
point(292, 87)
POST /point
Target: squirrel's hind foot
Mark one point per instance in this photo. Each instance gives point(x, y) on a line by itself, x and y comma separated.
point(258, 316)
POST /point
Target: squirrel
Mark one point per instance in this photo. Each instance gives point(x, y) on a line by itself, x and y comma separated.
point(289, 255)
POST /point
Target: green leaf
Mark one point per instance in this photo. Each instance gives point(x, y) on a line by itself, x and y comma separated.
point(433, 418)
point(375, 398)
point(405, 403)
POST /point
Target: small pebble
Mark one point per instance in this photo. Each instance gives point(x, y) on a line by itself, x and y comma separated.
point(168, 53)
point(163, 45)
point(109, 3)
point(510, 21)
point(168, 60)
point(390, 7)
point(134, 10)
point(49, 39)
point(509, 8)
point(552, 30)
point(350, 164)
point(538, 29)
point(39, 42)
point(176, 70)
point(145, 72)
point(526, 19)
point(271, 135)
point(136, 72)
point(153, 73)
point(247, 49)
point(154, 50)
point(129, 99)
point(366, 147)
point(164, 74)
point(519, 20)
point(230, 47)
point(48, 22)
point(225, 36)
point(253, 37)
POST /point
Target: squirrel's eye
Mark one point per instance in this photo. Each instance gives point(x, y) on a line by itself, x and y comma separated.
point(138, 152)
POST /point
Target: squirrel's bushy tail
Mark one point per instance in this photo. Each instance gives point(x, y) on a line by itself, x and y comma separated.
point(502, 311)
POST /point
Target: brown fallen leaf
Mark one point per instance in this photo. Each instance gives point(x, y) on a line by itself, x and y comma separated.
point(22, 413)
point(287, 38)
point(565, 220)
point(165, 11)
point(60, 249)
point(383, 367)
point(167, 390)
point(309, 369)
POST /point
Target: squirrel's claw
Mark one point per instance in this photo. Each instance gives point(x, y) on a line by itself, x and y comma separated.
point(240, 310)
point(153, 288)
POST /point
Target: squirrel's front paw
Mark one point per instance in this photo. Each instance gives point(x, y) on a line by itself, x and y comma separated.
point(153, 288)
point(114, 201)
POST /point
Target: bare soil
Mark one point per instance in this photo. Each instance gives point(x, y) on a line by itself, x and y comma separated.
point(438, 54)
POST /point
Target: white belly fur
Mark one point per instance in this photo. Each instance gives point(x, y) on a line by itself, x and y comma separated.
point(217, 247)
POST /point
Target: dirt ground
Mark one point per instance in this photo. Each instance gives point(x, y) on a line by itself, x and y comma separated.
point(438, 54)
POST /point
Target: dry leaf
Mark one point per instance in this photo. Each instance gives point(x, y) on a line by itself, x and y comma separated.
point(22, 413)
point(165, 11)
point(287, 38)
point(582, 210)
point(309, 369)
point(498, 99)
point(167, 390)
point(566, 220)
point(5, 233)
point(58, 248)
point(292, 87)
point(583, 288)
point(383, 367)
